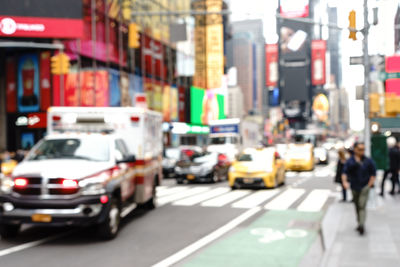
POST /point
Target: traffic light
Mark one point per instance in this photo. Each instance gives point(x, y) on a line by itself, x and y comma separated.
point(392, 104)
point(134, 37)
point(352, 25)
point(374, 106)
point(60, 64)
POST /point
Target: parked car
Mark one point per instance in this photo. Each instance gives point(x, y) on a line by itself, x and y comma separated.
point(257, 168)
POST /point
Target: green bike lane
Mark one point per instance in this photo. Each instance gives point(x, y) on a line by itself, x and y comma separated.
point(276, 238)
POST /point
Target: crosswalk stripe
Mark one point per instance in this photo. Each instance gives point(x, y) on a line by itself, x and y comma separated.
point(285, 200)
point(315, 200)
point(306, 174)
point(187, 193)
point(291, 174)
point(193, 200)
point(171, 190)
point(162, 187)
point(225, 199)
point(255, 199)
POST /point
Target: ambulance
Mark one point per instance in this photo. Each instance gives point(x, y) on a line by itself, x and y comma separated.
point(93, 168)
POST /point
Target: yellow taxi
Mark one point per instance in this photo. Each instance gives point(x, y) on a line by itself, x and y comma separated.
point(7, 167)
point(255, 168)
point(300, 157)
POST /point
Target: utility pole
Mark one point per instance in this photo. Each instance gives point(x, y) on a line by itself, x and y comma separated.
point(367, 130)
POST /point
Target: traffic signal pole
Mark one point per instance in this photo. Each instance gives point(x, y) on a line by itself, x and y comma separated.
point(367, 129)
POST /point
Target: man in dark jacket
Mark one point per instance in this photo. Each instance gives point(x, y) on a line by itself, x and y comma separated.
point(359, 173)
point(394, 167)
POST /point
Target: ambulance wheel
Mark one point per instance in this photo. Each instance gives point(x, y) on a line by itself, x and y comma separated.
point(110, 227)
point(9, 230)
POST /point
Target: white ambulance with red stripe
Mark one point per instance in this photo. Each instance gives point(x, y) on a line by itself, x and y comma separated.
point(95, 166)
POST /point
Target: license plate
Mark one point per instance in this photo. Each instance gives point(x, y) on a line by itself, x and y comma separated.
point(248, 181)
point(45, 218)
point(190, 176)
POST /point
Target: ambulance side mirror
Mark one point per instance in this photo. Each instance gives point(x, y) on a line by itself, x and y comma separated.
point(128, 159)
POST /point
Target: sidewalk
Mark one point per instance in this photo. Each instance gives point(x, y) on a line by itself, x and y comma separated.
point(380, 246)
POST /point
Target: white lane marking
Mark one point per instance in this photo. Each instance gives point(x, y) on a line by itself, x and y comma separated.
point(284, 200)
point(225, 199)
point(180, 255)
point(306, 174)
point(162, 187)
point(32, 244)
point(128, 210)
point(171, 190)
point(190, 201)
point(291, 174)
point(255, 199)
point(187, 193)
point(315, 200)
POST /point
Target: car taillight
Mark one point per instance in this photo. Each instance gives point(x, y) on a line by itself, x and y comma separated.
point(56, 118)
point(68, 183)
point(135, 119)
point(20, 182)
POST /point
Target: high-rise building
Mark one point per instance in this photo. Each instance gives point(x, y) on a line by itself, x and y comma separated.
point(235, 102)
point(251, 31)
point(240, 55)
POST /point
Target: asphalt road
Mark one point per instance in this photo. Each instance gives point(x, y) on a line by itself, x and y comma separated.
point(190, 224)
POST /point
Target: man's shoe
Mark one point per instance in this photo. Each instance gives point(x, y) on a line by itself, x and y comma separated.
point(381, 194)
point(392, 193)
point(361, 230)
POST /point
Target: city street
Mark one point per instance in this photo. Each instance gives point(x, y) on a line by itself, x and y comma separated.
point(182, 229)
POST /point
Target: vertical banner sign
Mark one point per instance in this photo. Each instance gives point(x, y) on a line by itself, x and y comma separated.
point(166, 99)
point(45, 98)
point(181, 104)
point(318, 65)
point(71, 89)
point(209, 51)
point(271, 65)
point(11, 86)
point(125, 96)
point(174, 104)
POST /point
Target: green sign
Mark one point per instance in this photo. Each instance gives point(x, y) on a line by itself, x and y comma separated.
point(383, 76)
point(205, 106)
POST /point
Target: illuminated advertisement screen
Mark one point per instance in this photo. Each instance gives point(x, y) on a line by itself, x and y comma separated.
point(205, 106)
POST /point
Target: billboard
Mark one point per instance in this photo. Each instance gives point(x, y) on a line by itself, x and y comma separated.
point(205, 106)
point(209, 50)
point(28, 83)
point(28, 18)
point(78, 89)
point(295, 8)
point(11, 86)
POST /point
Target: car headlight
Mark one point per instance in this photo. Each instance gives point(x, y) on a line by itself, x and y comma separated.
point(93, 185)
point(178, 169)
point(322, 158)
point(232, 169)
point(6, 184)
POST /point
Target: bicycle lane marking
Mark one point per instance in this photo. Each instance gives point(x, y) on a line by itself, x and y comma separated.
point(274, 239)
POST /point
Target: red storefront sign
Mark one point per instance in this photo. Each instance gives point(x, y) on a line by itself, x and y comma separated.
point(318, 65)
point(181, 104)
point(13, 26)
point(393, 86)
point(392, 64)
point(45, 95)
point(37, 120)
point(11, 86)
point(271, 65)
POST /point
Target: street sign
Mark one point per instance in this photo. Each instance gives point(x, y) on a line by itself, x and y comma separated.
point(374, 60)
point(383, 76)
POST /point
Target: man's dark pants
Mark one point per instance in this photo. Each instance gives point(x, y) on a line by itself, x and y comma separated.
point(360, 199)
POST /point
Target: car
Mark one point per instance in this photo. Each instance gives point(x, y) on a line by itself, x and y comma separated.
point(172, 155)
point(257, 168)
point(321, 155)
point(300, 157)
point(329, 144)
point(201, 167)
point(281, 149)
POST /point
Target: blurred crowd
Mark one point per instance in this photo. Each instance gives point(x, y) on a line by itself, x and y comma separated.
point(10, 159)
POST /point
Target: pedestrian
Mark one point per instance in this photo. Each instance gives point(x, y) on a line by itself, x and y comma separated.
point(339, 172)
point(394, 166)
point(359, 174)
